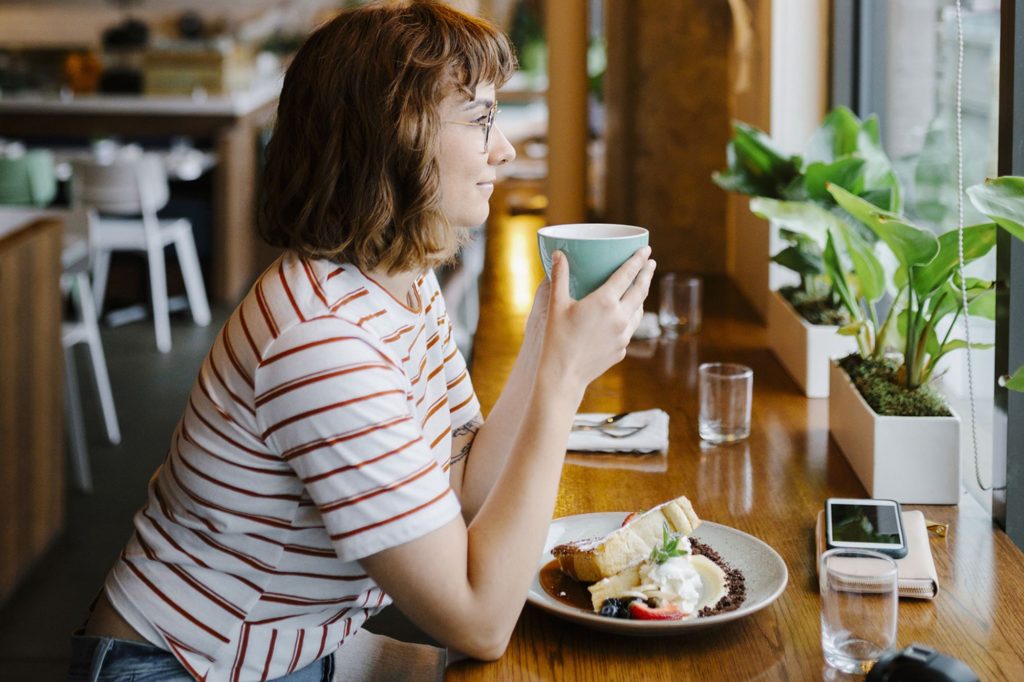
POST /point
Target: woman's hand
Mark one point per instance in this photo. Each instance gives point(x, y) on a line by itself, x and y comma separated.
point(582, 339)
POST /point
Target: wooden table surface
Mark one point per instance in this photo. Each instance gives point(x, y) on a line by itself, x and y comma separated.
point(772, 485)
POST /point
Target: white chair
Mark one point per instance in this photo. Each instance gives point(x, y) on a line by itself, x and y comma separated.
point(136, 185)
point(84, 328)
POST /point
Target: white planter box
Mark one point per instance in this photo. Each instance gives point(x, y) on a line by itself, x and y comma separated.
point(913, 460)
point(804, 349)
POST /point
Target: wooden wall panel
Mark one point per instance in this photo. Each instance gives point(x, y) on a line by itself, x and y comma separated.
point(31, 394)
point(668, 123)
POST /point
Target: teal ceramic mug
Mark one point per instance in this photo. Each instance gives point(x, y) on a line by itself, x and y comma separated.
point(594, 250)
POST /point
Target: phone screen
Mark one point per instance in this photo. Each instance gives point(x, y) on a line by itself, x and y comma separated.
point(865, 523)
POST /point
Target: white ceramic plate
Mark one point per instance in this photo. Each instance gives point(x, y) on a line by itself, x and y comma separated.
point(762, 567)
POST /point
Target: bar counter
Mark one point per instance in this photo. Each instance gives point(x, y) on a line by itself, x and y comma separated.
point(771, 486)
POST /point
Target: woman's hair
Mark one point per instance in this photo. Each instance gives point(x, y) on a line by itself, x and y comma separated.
point(351, 170)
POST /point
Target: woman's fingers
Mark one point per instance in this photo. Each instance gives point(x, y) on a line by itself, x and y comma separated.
point(622, 279)
point(637, 292)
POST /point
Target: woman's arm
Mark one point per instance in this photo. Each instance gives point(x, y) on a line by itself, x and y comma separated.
point(490, 441)
point(465, 585)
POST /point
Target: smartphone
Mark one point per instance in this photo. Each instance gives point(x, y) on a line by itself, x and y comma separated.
point(865, 524)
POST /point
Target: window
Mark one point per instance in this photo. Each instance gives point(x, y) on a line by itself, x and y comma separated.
point(898, 59)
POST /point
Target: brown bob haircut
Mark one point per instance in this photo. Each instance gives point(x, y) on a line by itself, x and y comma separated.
point(351, 170)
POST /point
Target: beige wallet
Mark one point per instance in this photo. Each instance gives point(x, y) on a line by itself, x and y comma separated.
point(917, 578)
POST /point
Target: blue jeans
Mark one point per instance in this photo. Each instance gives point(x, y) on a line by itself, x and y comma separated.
point(106, 659)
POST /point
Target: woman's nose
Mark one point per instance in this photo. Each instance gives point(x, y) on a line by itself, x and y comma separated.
point(500, 150)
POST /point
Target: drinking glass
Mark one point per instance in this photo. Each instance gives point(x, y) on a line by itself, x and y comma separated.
point(726, 391)
point(679, 301)
point(859, 601)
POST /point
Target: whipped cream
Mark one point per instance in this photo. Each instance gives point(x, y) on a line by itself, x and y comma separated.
point(676, 579)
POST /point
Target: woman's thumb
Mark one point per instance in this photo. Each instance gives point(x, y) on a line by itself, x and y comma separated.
point(559, 276)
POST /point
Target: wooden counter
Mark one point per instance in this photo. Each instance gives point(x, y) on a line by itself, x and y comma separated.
point(31, 393)
point(233, 122)
point(771, 486)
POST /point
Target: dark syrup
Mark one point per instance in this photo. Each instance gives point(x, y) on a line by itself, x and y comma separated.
point(564, 589)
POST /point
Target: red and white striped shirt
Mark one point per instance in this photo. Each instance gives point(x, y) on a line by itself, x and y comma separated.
point(318, 432)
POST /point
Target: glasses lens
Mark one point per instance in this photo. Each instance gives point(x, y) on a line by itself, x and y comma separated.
point(490, 123)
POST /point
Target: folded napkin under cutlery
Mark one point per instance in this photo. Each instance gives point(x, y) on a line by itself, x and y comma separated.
point(653, 437)
point(915, 573)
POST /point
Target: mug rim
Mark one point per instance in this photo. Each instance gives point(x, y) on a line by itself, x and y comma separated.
point(634, 231)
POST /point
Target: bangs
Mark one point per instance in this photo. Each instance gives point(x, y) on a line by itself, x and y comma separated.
point(469, 50)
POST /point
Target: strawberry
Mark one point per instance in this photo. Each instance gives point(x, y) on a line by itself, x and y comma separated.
point(638, 610)
point(630, 517)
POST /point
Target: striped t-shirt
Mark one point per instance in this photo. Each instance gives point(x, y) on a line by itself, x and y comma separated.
point(318, 432)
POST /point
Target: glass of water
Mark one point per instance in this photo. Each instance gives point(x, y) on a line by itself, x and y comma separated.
point(679, 304)
point(726, 392)
point(859, 601)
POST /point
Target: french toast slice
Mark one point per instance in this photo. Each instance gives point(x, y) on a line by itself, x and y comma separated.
point(593, 559)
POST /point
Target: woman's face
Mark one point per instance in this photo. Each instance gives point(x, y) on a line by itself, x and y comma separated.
point(468, 168)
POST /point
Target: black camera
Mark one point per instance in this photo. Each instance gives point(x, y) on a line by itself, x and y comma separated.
point(918, 663)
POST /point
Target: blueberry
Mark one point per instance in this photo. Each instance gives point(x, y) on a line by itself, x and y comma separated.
point(616, 607)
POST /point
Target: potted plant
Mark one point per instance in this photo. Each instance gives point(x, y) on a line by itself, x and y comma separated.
point(790, 192)
point(895, 429)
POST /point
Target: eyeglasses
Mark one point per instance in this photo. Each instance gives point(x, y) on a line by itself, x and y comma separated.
point(485, 124)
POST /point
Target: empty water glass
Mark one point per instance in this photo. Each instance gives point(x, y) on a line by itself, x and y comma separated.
point(726, 392)
point(679, 304)
point(859, 601)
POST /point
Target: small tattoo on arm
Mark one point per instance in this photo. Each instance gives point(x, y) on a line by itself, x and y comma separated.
point(470, 427)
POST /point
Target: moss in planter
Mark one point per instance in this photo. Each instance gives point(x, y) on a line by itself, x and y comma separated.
point(814, 309)
point(877, 381)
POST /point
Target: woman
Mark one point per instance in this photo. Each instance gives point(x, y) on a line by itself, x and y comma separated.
point(332, 457)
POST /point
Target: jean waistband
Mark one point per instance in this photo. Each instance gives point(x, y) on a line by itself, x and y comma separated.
point(95, 654)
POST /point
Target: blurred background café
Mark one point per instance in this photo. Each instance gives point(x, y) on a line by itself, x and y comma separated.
point(620, 112)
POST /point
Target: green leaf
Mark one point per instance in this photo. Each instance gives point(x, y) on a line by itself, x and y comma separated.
point(878, 170)
point(800, 259)
point(1002, 200)
point(839, 283)
point(978, 240)
point(846, 172)
point(799, 216)
point(669, 547)
point(755, 166)
point(870, 273)
point(851, 329)
point(911, 245)
point(1016, 382)
point(882, 198)
point(836, 137)
point(983, 305)
point(957, 344)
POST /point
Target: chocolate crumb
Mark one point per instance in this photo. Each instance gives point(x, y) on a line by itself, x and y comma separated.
point(735, 583)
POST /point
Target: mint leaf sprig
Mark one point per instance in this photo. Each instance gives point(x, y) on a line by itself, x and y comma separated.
point(669, 547)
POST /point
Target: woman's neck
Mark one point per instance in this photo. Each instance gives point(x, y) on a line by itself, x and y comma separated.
point(399, 284)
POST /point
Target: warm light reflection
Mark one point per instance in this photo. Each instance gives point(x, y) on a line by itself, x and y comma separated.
point(522, 245)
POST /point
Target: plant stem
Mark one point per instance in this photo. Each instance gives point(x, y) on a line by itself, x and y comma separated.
point(910, 349)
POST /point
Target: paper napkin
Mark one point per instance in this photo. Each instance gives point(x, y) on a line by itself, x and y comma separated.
point(653, 438)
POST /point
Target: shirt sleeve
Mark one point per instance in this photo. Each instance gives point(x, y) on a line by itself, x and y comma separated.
point(462, 399)
point(337, 409)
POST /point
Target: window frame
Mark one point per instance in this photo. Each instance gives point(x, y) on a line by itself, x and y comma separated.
point(1008, 450)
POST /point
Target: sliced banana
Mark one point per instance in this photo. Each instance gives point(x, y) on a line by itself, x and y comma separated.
point(712, 577)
